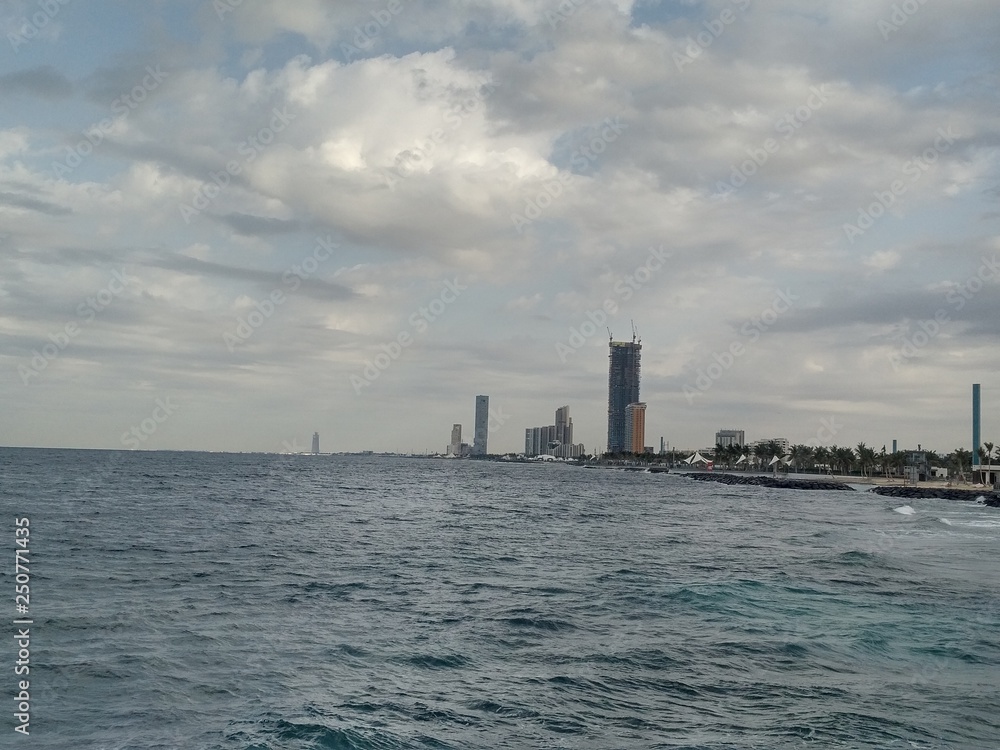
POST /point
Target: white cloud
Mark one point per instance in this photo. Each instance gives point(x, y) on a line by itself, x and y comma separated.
point(413, 156)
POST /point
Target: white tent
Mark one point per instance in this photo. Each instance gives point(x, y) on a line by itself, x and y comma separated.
point(697, 458)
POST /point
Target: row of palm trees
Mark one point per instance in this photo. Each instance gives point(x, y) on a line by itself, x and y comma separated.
point(821, 459)
point(843, 460)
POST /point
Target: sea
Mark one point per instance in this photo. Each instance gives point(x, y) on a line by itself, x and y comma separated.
point(285, 602)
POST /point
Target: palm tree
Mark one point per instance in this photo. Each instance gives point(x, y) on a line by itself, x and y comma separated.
point(896, 461)
point(834, 453)
point(866, 457)
point(821, 456)
point(801, 455)
point(844, 458)
point(767, 451)
point(733, 455)
point(724, 454)
point(989, 458)
point(960, 458)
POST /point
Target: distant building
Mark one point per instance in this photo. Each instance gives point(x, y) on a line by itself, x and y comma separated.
point(916, 467)
point(554, 439)
point(782, 443)
point(481, 435)
point(455, 446)
point(635, 422)
point(548, 437)
point(315, 448)
point(564, 426)
point(726, 438)
point(623, 389)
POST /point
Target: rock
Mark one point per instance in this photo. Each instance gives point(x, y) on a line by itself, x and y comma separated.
point(757, 480)
point(947, 493)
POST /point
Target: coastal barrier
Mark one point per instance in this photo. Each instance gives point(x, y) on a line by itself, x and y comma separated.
point(758, 480)
point(991, 497)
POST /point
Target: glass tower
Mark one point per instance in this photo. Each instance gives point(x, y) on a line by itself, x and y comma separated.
point(623, 389)
point(482, 425)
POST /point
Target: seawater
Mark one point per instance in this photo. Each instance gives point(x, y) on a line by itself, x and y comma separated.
point(252, 602)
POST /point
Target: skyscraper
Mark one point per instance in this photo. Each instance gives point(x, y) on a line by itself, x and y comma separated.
point(482, 426)
point(564, 426)
point(455, 446)
point(623, 389)
point(315, 449)
point(635, 424)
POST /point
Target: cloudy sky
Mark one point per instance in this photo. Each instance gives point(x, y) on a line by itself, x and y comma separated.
point(224, 226)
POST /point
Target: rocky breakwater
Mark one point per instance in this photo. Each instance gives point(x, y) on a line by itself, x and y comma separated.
point(757, 480)
point(991, 497)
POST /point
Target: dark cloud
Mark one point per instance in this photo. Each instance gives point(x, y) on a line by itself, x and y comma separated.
point(33, 204)
point(310, 286)
point(44, 81)
point(259, 225)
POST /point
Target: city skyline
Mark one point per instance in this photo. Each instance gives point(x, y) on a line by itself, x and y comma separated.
point(226, 226)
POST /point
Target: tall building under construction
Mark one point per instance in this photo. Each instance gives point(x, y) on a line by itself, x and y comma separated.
point(623, 389)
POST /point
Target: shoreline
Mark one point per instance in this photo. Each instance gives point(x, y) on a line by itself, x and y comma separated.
point(853, 479)
point(926, 490)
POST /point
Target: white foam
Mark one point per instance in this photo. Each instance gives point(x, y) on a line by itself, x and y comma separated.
point(945, 521)
point(987, 524)
point(906, 510)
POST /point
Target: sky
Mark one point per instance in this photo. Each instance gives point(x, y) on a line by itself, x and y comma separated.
point(227, 225)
